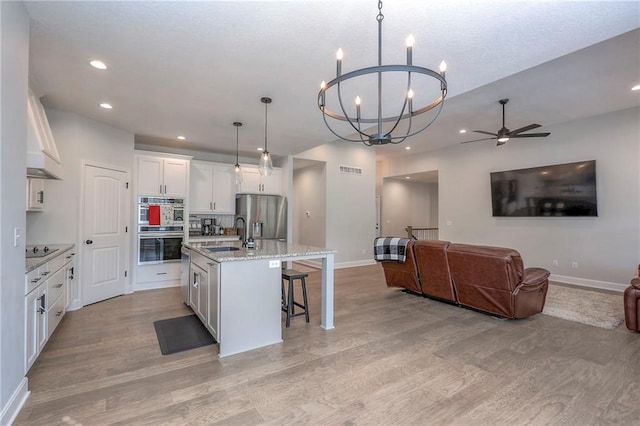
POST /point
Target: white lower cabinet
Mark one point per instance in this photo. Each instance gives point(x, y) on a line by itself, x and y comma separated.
point(35, 325)
point(213, 315)
point(200, 278)
point(46, 300)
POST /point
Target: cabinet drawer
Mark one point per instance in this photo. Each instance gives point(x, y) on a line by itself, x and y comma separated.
point(160, 272)
point(32, 280)
point(56, 263)
point(55, 314)
point(55, 287)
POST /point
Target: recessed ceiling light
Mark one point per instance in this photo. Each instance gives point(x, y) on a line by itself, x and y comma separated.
point(462, 131)
point(407, 177)
point(260, 149)
point(98, 64)
point(181, 138)
point(407, 148)
point(636, 87)
point(105, 105)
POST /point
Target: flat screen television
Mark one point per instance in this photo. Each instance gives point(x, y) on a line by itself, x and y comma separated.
point(555, 190)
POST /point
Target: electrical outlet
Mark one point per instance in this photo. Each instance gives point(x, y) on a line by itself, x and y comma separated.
point(574, 265)
point(449, 223)
point(16, 237)
point(274, 264)
point(555, 262)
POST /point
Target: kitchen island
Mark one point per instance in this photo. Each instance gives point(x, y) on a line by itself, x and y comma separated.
point(236, 291)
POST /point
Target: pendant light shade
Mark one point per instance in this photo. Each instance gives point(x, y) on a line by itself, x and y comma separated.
point(265, 165)
point(237, 172)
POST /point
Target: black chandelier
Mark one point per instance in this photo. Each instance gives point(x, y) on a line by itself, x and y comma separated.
point(380, 136)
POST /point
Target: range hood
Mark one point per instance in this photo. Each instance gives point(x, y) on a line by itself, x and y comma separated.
point(43, 160)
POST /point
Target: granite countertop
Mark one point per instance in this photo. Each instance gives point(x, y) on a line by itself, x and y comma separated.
point(36, 262)
point(264, 249)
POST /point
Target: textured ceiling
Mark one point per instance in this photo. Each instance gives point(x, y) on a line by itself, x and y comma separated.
point(193, 68)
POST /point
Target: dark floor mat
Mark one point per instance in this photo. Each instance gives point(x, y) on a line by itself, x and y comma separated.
point(181, 334)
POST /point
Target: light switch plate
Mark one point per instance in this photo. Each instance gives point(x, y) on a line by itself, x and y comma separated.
point(16, 237)
point(274, 264)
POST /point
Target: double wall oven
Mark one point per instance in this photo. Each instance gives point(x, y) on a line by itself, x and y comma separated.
point(160, 240)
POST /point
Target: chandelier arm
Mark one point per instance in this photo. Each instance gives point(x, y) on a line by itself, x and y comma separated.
point(349, 120)
point(423, 128)
point(324, 116)
point(404, 106)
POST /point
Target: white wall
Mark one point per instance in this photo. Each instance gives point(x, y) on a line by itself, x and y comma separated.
point(309, 194)
point(350, 200)
point(606, 247)
point(14, 72)
point(78, 139)
point(406, 202)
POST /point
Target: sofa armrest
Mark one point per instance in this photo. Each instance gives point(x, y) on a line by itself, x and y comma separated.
point(534, 276)
point(636, 282)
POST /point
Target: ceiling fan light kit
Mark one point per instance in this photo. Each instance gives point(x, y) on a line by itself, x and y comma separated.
point(406, 112)
point(504, 134)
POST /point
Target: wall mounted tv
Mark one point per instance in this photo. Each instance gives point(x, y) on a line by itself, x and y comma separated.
point(556, 190)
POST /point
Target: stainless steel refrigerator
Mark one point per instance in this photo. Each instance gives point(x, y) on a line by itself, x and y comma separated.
point(265, 216)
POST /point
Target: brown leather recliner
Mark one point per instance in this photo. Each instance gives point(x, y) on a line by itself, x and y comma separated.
point(631, 306)
point(403, 275)
point(493, 279)
point(433, 267)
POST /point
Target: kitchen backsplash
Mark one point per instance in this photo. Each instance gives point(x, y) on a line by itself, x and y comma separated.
point(195, 220)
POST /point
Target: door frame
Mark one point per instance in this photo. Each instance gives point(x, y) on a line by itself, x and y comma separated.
point(76, 303)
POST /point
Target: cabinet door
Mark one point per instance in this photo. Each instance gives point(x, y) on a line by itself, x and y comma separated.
point(32, 322)
point(150, 176)
point(251, 182)
point(201, 188)
point(224, 195)
point(194, 282)
point(69, 273)
point(201, 277)
point(272, 184)
point(175, 177)
point(35, 194)
point(42, 317)
point(214, 289)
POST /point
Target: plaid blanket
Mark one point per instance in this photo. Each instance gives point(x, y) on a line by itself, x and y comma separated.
point(390, 248)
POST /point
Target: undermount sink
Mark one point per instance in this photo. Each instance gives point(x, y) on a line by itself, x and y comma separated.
point(221, 248)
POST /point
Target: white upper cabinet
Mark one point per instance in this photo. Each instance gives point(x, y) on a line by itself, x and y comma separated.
point(254, 183)
point(211, 188)
point(160, 176)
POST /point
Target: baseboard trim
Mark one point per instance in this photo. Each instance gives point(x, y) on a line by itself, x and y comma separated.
point(602, 285)
point(74, 305)
point(155, 285)
point(355, 264)
point(17, 400)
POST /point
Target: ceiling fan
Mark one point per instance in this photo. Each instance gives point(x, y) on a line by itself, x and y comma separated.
point(505, 134)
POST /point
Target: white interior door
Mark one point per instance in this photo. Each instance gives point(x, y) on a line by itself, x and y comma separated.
point(104, 243)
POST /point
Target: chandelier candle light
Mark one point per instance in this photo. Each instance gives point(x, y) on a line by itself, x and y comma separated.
point(380, 136)
point(237, 169)
point(265, 166)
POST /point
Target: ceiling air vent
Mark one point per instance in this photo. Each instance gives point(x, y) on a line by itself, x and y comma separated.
point(351, 170)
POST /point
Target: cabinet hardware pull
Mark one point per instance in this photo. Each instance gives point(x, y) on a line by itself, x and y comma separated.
point(165, 189)
point(46, 273)
point(161, 189)
point(35, 280)
point(89, 242)
point(210, 205)
point(41, 311)
point(161, 273)
point(58, 313)
point(214, 205)
point(68, 257)
point(58, 286)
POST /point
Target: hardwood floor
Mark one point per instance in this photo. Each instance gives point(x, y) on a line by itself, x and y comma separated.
point(393, 359)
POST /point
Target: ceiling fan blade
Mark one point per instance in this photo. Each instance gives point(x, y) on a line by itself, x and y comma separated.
point(486, 133)
point(530, 135)
point(524, 129)
point(478, 140)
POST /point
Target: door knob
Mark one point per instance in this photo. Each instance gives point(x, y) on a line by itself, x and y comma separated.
point(89, 242)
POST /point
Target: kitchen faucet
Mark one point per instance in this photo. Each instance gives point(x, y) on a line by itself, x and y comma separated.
point(244, 230)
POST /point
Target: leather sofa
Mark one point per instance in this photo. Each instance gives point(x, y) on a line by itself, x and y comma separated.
point(631, 307)
point(488, 279)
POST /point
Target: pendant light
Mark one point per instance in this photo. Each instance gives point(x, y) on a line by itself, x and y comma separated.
point(237, 169)
point(265, 166)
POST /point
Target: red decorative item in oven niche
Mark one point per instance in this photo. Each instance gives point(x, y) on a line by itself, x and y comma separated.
point(154, 215)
